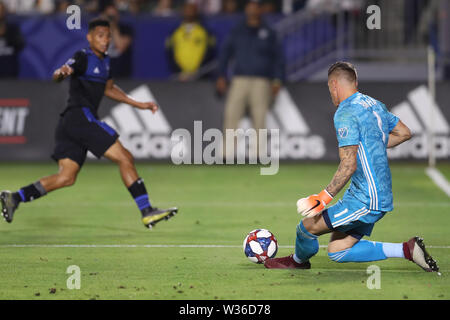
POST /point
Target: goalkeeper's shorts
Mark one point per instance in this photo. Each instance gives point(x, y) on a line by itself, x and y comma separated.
point(352, 217)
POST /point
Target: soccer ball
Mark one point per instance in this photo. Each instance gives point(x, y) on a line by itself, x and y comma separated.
point(260, 245)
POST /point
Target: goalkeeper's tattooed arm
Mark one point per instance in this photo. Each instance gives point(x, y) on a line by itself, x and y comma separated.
point(346, 168)
point(314, 204)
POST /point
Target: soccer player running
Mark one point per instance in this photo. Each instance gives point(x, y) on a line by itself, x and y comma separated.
point(79, 129)
point(364, 129)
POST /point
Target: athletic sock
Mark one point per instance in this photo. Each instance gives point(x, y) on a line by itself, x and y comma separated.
point(306, 244)
point(365, 251)
point(30, 192)
point(393, 250)
point(140, 195)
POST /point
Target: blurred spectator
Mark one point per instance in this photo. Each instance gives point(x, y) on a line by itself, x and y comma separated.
point(290, 6)
point(434, 30)
point(45, 6)
point(11, 43)
point(258, 69)
point(62, 5)
point(164, 8)
point(412, 16)
point(270, 6)
point(191, 45)
point(428, 21)
point(230, 6)
point(208, 7)
point(20, 6)
point(334, 6)
point(90, 6)
point(130, 6)
point(120, 47)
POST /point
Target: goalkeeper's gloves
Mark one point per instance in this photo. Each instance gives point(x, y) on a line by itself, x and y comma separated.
point(314, 204)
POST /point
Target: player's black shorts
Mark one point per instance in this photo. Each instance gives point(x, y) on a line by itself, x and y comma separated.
point(77, 132)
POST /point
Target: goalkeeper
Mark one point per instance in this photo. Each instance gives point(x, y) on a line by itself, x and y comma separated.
point(364, 129)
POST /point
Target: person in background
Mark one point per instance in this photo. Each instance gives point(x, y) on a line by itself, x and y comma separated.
point(129, 6)
point(20, 6)
point(11, 43)
point(258, 70)
point(164, 8)
point(270, 6)
point(62, 5)
point(120, 48)
point(45, 6)
point(230, 6)
point(190, 46)
point(208, 7)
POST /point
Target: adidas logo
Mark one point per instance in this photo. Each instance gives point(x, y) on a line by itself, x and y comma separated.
point(296, 141)
point(148, 135)
point(143, 133)
point(416, 113)
point(96, 70)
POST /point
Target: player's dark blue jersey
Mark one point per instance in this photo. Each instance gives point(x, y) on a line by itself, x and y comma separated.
point(87, 83)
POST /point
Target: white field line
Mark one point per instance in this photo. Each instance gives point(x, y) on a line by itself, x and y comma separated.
point(148, 246)
point(189, 246)
point(439, 179)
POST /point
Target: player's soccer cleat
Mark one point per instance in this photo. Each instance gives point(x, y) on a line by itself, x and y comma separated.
point(152, 216)
point(286, 263)
point(414, 250)
point(9, 205)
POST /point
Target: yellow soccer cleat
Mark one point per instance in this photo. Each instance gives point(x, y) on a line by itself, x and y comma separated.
point(152, 216)
point(9, 205)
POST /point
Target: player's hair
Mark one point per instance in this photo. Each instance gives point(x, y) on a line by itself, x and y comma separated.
point(98, 22)
point(345, 69)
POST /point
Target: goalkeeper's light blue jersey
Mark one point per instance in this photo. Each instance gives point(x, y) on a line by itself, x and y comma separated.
point(363, 121)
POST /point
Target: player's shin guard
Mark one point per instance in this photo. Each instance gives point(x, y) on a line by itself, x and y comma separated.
point(362, 251)
point(139, 194)
point(30, 192)
point(306, 244)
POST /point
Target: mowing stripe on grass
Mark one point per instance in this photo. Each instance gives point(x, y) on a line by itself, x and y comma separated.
point(147, 246)
point(219, 204)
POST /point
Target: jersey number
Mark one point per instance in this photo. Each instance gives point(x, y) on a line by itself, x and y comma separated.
point(380, 125)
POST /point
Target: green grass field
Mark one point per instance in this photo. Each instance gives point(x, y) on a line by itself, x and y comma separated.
point(120, 259)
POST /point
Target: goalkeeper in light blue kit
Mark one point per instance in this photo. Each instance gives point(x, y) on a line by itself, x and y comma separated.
point(364, 129)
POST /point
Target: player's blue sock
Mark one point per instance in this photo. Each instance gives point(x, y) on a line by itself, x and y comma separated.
point(365, 251)
point(139, 194)
point(30, 192)
point(306, 244)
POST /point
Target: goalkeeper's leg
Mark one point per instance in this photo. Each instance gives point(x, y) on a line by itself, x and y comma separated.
point(306, 245)
point(306, 242)
point(348, 248)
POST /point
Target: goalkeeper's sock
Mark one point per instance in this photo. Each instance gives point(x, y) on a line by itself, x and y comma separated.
point(140, 195)
point(306, 244)
point(30, 192)
point(365, 251)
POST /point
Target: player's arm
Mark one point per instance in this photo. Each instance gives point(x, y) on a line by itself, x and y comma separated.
point(346, 168)
point(398, 135)
point(62, 73)
point(74, 66)
point(112, 91)
point(314, 204)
